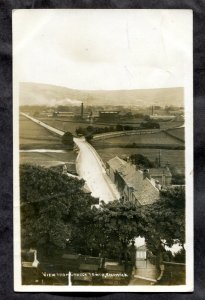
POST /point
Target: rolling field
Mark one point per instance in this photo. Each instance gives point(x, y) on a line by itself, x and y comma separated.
point(33, 136)
point(71, 126)
point(67, 126)
point(52, 152)
point(143, 139)
point(173, 157)
point(177, 132)
point(48, 159)
point(170, 124)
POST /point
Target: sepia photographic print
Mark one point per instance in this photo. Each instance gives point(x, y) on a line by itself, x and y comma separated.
point(103, 150)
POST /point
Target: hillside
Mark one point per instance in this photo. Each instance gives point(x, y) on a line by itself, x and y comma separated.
point(46, 94)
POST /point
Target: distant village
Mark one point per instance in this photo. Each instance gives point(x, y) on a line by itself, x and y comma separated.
point(109, 113)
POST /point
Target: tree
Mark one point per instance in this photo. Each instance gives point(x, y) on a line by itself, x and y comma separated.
point(88, 136)
point(178, 179)
point(119, 127)
point(118, 223)
point(180, 256)
point(67, 139)
point(84, 235)
point(165, 221)
point(90, 129)
point(52, 205)
point(80, 130)
point(150, 124)
point(147, 118)
point(139, 159)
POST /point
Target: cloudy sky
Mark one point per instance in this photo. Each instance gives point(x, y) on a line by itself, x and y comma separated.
point(102, 49)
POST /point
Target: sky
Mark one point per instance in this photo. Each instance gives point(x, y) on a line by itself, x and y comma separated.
point(102, 49)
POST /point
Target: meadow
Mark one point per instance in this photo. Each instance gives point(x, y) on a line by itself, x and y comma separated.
point(71, 126)
point(48, 159)
point(173, 157)
point(177, 132)
point(34, 137)
point(141, 139)
point(68, 125)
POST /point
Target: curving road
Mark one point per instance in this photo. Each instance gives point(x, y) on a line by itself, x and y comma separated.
point(91, 168)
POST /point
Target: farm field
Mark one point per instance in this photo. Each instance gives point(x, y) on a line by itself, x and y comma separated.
point(177, 132)
point(33, 136)
point(149, 138)
point(40, 147)
point(173, 157)
point(170, 124)
point(48, 159)
point(67, 126)
point(71, 126)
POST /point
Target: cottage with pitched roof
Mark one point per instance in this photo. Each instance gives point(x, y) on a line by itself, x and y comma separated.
point(133, 185)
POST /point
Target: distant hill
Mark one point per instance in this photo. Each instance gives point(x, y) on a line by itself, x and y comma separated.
point(46, 94)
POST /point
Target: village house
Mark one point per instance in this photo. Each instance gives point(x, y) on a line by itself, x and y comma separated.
point(133, 184)
point(163, 175)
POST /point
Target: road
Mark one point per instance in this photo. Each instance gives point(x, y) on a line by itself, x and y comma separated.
point(49, 128)
point(91, 168)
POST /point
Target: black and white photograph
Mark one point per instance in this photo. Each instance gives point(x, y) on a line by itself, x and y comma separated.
point(103, 150)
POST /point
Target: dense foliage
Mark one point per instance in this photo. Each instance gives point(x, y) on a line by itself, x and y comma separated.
point(67, 139)
point(55, 213)
point(90, 130)
point(52, 205)
point(166, 221)
point(178, 179)
point(119, 222)
point(162, 223)
point(150, 124)
point(139, 159)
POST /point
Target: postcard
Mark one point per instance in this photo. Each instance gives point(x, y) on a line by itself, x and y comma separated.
point(103, 150)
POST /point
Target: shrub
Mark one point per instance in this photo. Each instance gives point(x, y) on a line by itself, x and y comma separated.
point(67, 139)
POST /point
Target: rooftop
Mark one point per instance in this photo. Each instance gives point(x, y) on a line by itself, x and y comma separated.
point(115, 163)
point(144, 189)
